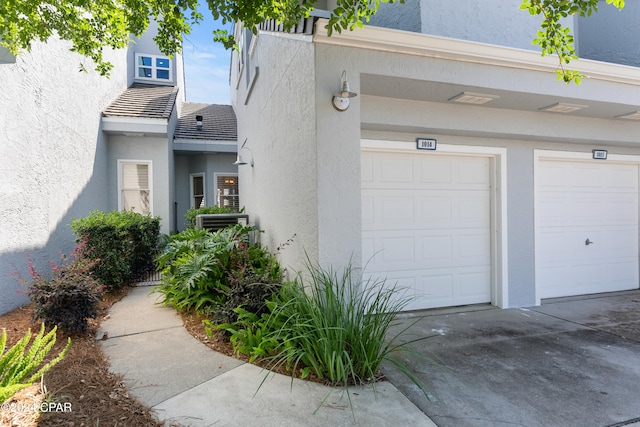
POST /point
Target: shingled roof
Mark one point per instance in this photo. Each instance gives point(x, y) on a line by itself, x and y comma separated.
point(144, 100)
point(218, 122)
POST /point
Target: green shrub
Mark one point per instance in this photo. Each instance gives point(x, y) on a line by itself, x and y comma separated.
point(249, 333)
point(124, 244)
point(18, 369)
point(217, 272)
point(254, 275)
point(190, 216)
point(70, 296)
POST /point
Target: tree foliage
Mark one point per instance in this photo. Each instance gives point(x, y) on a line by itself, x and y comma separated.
point(93, 25)
point(553, 37)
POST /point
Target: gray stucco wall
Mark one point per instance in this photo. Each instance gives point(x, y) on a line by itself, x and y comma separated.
point(210, 165)
point(399, 16)
point(611, 35)
point(520, 132)
point(497, 22)
point(313, 151)
point(279, 125)
point(144, 148)
point(52, 155)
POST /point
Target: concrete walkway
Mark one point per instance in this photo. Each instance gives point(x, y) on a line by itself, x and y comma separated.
point(186, 383)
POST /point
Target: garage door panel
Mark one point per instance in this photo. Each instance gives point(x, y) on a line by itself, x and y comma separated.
point(439, 288)
point(472, 285)
point(621, 210)
point(472, 172)
point(624, 178)
point(398, 249)
point(395, 208)
point(433, 170)
point(576, 201)
point(440, 245)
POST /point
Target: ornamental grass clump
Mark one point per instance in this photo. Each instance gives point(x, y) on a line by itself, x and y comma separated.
point(335, 325)
point(19, 366)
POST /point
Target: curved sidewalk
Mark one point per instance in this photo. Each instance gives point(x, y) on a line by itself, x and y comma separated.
point(186, 383)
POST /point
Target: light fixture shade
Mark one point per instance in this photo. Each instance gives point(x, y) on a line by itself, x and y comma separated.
point(239, 161)
point(340, 100)
point(346, 91)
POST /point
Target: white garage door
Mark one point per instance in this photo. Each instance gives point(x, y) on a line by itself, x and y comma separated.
point(426, 225)
point(586, 227)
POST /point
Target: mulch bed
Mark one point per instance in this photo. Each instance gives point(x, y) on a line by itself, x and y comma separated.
point(80, 390)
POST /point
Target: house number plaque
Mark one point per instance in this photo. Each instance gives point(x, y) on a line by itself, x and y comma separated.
point(426, 144)
point(600, 154)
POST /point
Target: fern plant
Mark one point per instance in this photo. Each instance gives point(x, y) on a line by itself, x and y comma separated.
point(18, 369)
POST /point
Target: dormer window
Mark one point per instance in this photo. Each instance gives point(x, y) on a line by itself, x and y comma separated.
point(153, 67)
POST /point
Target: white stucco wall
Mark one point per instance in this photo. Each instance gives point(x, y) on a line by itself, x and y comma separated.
point(52, 154)
point(278, 123)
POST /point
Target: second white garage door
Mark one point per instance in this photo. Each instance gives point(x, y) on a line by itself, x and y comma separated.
point(586, 227)
point(426, 225)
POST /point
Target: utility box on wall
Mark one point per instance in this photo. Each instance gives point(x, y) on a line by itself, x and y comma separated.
point(214, 222)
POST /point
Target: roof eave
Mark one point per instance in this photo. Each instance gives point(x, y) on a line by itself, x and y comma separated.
point(205, 146)
point(135, 126)
point(398, 41)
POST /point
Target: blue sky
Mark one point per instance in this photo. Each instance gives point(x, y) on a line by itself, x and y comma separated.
point(206, 64)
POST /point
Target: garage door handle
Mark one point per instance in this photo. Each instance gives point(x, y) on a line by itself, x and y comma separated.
point(588, 242)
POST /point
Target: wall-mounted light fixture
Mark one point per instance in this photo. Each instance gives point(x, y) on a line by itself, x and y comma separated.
point(341, 99)
point(199, 122)
point(239, 161)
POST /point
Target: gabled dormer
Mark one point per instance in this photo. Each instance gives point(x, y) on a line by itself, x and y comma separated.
point(148, 65)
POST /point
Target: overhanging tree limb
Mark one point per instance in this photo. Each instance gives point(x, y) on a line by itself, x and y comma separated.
point(93, 25)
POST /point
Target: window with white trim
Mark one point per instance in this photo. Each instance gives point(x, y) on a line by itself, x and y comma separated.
point(197, 190)
point(227, 192)
point(153, 67)
point(134, 186)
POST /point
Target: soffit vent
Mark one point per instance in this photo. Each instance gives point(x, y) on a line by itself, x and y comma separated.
point(563, 107)
point(473, 98)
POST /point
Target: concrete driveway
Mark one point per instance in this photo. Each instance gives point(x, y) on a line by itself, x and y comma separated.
point(569, 362)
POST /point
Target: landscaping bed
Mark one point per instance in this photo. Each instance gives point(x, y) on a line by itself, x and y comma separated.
point(80, 390)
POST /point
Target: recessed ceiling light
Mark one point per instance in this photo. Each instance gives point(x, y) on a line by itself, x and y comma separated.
point(630, 116)
point(563, 107)
point(473, 98)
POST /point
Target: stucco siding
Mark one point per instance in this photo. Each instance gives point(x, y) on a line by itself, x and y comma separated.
point(278, 123)
point(498, 22)
point(52, 155)
point(338, 162)
point(611, 35)
point(210, 165)
point(395, 118)
point(401, 16)
point(152, 149)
